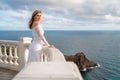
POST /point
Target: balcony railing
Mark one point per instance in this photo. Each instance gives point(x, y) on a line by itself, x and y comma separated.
point(13, 54)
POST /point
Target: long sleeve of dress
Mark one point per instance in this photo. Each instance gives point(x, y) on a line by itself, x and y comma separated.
point(41, 36)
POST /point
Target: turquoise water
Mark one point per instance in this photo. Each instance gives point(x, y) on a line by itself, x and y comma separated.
point(103, 47)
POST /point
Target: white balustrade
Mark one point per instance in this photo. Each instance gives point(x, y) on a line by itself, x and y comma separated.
point(13, 54)
point(51, 55)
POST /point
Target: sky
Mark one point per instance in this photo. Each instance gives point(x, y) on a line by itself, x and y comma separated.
point(61, 14)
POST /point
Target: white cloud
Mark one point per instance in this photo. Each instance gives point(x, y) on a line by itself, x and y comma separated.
point(18, 14)
point(111, 18)
point(14, 19)
point(57, 13)
point(65, 3)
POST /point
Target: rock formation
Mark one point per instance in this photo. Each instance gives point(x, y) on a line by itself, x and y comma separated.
point(80, 59)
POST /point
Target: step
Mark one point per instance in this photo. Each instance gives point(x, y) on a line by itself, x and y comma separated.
point(7, 74)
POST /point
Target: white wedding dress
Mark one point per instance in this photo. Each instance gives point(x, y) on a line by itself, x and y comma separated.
point(37, 43)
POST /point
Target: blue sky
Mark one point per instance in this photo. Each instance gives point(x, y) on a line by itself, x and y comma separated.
point(61, 14)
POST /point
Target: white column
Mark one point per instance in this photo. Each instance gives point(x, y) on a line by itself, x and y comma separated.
point(24, 43)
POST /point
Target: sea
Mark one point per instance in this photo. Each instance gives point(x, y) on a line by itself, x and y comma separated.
point(102, 47)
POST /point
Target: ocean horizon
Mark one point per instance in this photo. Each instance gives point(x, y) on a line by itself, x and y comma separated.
point(100, 46)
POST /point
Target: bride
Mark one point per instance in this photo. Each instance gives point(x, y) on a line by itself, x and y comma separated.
point(39, 40)
point(38, 34)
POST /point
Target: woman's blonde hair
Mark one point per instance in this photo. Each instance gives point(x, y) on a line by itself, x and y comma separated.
point(32, 18)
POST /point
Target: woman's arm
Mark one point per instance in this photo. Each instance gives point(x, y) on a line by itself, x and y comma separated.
point(41, 36)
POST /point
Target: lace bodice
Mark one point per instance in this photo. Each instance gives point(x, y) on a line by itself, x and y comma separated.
point(38, 34)
point(36, 31)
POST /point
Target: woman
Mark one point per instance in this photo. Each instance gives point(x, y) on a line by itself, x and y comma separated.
point(39, 39)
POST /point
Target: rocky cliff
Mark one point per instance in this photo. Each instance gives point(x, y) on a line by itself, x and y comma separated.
point(81, 60)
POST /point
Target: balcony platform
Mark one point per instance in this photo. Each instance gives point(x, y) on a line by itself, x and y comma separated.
point(49, 71)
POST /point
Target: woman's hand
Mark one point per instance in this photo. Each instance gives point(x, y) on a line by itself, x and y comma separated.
point(51, 46)
point(44, 44)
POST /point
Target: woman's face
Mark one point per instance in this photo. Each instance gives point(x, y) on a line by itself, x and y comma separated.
point(37, 17)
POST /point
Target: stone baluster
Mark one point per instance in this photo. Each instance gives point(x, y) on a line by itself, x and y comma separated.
point(10, 57)
point(5, 56)
point(15, 57)
point(1, 55)
point(45, 58)
point(41, 56)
